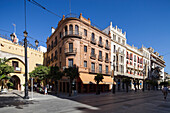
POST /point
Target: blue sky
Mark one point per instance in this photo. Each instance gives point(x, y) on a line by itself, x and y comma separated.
point(145, 21)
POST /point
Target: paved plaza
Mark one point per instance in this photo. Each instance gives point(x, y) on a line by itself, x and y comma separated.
point(121, 102)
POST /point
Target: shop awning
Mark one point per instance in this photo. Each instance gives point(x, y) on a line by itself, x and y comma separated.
point(89, 79)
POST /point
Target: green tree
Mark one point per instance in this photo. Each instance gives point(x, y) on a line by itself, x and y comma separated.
point(127, 81)
point(98, 78)
point(55, 75)
point(40, 72)
point(5, 69)
point(72, 73)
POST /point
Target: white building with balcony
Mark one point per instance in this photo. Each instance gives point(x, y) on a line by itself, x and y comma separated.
point(118, 56)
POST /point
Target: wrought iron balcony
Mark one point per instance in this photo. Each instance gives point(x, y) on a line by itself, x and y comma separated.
point(93, 41)
point(76, 34)
point(70, 51)
point(93, 56)
point(107, 46)
point(100, 44)
point(92, 70)
point(100, 58)
point(107, 60)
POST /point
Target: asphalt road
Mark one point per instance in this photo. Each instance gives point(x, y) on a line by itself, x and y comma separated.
point(147, 102)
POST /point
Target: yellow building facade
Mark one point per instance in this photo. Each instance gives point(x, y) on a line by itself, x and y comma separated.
point(16, 55)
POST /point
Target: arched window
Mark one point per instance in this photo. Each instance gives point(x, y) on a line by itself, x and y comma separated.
point(114, 48)
point(92, 36)
point(66, 31)
point(107, 43)
point(70, 29)
point(76, 29)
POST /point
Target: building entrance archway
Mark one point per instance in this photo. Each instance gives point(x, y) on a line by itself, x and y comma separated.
point(16, 82)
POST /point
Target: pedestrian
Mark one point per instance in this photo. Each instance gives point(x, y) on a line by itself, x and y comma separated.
point(45, 91)
point(165, 91)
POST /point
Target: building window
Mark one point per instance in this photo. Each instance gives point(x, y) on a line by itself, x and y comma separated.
point(114, 48)
point(70, 62)
point(85, 63)
point(66, 31)
point(121, 59)
point(85, 48)
point(134, 58)
point(60, 49)
point(92, 51)
point(122, 68)
point(76, 29)
point(70, 47)
point(15, 64)
point(100, 40)
point(100, 68)
point(71, 29)
point(85, 32)
point(51, 44)
point(60, 35)
point(127, 55)
point(52, 57)
point(93, 67)
point(114, 58)
point(107, 70)
point(119, 39)
point(131, 56)
point(49, 47)
point(92, 36)
point(107, 44)
point(107, 56)
point(100, 54)
point(114, 37)
point(123, 42)
point(56, 54)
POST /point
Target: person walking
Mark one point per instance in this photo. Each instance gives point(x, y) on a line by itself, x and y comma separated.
point(45, 91)
point(165, 91)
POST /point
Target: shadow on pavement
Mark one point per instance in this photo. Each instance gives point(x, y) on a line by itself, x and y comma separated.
point(13, 101)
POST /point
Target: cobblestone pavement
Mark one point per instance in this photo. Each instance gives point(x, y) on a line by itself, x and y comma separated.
point(121, 102)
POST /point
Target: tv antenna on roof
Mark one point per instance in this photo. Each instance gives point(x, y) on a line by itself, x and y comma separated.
point(70, 6)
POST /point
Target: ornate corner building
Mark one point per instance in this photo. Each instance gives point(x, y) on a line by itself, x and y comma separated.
point(76, 42)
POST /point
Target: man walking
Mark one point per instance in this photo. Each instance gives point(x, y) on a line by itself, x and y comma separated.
point(165, 91)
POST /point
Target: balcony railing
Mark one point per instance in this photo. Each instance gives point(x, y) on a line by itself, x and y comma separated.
point(107, 46)
point(100, 58)
point(100, 44)
point(92, 70)
point(77, 34)
point(93, 56)
point(17, 69)
point(70, 51)
point(107, 60)
point(93, 41)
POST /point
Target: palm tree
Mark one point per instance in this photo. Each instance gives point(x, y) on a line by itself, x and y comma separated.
point(72, 73)
point(98, 78)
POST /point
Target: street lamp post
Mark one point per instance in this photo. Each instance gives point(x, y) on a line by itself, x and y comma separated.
point(26, 71)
